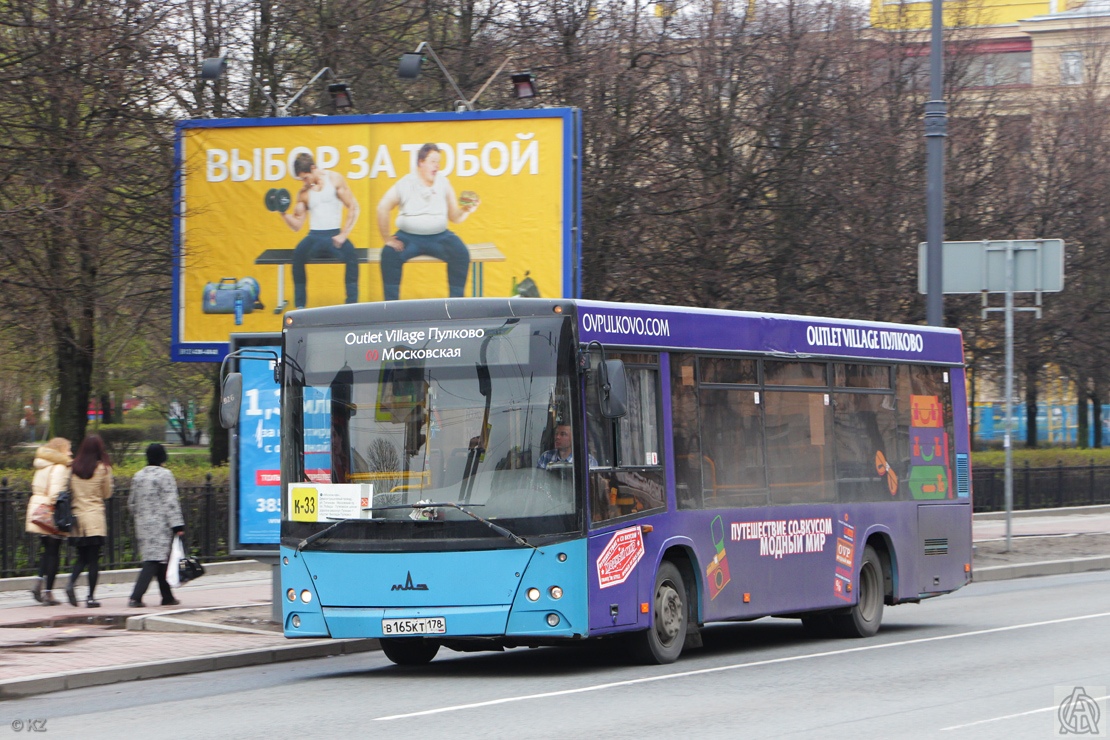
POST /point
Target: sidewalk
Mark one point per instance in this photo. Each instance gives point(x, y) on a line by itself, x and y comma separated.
point(224, 618)
point(223, 621)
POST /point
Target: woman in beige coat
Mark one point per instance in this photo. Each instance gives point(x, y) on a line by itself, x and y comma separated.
point(52, 462)
point(91, 485)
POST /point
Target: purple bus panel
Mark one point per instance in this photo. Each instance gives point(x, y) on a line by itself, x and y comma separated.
point(772, 560)
point(707, 329)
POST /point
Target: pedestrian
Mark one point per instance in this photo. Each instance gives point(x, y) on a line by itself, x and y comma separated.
point(52, 461)
point(157, 511)
point(90, 486)
point(27, 424)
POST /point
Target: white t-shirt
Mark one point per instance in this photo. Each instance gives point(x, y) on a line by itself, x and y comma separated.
point(324, 207)
point(423, 209)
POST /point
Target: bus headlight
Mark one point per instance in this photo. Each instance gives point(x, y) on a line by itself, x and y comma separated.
point(553, 620)
point(533, 594)
point(306, 596)
point(556, 592)
point(296, 620)
point(291, 595)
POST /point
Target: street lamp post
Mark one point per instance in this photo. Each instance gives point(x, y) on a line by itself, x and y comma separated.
point(936, 130)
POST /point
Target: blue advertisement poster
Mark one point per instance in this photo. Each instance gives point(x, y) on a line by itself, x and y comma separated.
point(259, 454)
point(317, 434)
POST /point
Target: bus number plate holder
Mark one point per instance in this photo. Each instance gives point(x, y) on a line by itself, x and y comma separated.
point(420, 626)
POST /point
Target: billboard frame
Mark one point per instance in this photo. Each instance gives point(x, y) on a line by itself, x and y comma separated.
point(235, 456)
point(571, 237)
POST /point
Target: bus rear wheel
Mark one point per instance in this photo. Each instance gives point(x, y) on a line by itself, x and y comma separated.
point(863, 619)
point(662, 642)
point(409, 650)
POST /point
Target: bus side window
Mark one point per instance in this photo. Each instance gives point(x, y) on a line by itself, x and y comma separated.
point(687, 438)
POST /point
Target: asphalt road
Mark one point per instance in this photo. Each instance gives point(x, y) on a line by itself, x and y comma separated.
point(989, 661)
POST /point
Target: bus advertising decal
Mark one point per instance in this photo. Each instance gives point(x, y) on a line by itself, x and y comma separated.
point(780, 537)
point(845, 560)
point(765, 333)
point(717, 574)
point(619, 558)
point(929, 476)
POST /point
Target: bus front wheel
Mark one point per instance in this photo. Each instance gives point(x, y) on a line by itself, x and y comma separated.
point(409, 650)
point(662, 642)
point(863, 619)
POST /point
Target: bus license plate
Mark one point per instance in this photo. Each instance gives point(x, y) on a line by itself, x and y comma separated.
point(422, 626)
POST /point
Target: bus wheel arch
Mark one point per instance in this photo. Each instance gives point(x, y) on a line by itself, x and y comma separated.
point(884, 548)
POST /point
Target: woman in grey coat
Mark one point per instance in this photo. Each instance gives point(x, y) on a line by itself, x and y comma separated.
point(157, 511)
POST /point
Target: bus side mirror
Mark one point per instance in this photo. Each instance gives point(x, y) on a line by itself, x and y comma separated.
point(231, 395)
point(612, 389)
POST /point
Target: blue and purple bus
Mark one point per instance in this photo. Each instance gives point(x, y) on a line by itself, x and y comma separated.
point(484, 473)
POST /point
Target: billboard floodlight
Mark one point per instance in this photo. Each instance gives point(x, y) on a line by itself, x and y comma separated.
point(340, 95)
point(409, 69)
point(524, 85)
point(213, 68)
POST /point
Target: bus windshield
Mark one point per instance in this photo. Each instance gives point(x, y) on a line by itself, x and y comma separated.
point(392, 416)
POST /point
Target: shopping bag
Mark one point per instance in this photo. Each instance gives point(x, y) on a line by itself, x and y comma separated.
point(177, 552)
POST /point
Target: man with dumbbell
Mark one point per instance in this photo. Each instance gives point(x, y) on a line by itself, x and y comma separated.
point(322, 197)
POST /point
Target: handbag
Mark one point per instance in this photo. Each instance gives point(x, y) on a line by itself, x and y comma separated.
point(43, 517)
point(189, 568)
point(63, 511)
point(182, 567)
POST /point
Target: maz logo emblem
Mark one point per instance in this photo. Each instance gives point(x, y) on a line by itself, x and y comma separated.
point(408, 585)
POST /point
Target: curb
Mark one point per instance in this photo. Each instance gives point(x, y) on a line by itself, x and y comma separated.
point(1042, 568)
point(128, 575)
point(178, 621)
point(48, 683)
point(1023, 513)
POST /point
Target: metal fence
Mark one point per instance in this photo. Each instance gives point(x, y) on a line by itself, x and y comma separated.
point(1041, 488)
point(206, 526)
point(203, 507)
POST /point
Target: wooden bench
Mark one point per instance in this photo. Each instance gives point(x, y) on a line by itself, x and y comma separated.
point(480, 253)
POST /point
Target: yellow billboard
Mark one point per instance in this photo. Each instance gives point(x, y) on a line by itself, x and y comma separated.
point(277, 214)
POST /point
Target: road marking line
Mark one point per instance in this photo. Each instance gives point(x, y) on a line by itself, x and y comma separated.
point(735, 666)
point(1011, 716)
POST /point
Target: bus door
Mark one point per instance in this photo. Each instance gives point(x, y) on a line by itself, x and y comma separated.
point(626, 486)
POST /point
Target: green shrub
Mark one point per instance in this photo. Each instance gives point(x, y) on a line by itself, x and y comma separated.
point(10, 437)
point(121, 440)
point(1042, 458)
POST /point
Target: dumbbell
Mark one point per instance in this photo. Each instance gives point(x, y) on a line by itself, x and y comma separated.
point(278, 199)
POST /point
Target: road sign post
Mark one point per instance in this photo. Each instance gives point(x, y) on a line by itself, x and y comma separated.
point(1010, 266)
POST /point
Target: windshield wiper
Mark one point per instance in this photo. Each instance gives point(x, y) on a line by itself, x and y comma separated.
point(451, 505)
point(317, 535)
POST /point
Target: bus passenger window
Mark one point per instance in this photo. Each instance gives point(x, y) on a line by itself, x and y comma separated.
point(687, 440)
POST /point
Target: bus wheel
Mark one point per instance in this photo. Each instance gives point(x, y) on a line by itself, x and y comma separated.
point(409, 650)
point(662, 642)
point(863, 619)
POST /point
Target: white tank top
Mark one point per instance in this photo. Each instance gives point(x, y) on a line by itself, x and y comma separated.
point(324, 207)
